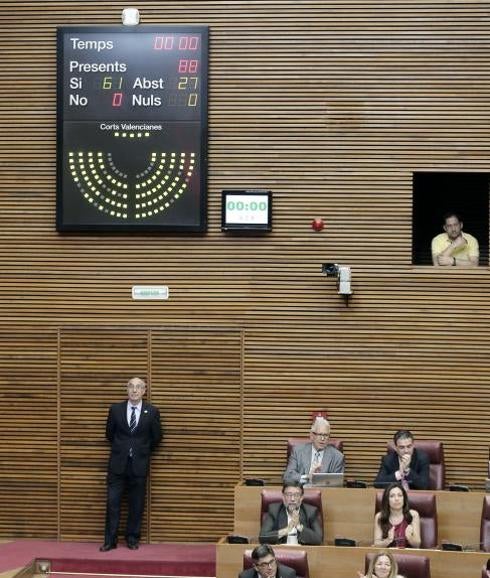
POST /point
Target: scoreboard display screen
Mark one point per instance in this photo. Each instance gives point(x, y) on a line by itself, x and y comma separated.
point(132, 128)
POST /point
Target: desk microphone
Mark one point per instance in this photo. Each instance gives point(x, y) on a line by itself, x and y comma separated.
point(450, 547)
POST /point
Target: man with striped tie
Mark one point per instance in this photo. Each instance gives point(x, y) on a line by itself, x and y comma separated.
point(316, 456)
point(134, 431)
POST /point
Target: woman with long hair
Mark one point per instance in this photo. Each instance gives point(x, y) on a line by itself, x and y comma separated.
point(395, 525)
point(382, 565)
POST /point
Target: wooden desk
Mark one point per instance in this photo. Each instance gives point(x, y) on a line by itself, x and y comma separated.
point(337, 562)
point(349, 513)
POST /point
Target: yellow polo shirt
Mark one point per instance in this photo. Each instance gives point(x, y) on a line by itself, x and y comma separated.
point(441, 242)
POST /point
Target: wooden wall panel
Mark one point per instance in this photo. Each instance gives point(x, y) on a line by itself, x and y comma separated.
point(94, 369)
point(333, 106)
point(197, 383)
point(28, 414)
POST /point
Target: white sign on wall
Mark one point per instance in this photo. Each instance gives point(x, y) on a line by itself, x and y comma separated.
point(150, 292)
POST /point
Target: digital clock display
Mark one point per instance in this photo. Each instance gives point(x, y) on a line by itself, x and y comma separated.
point(132, 128)
point(246, 210)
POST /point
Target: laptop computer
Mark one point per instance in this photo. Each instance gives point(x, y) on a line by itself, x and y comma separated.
point(327, 480)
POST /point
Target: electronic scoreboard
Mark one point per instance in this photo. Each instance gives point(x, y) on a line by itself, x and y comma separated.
point(132, 128)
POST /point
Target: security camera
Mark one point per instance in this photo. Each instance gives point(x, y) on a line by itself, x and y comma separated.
point(343, 274)
point(330, 269)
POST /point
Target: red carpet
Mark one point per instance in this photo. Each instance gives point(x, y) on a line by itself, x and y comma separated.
point(175, 559)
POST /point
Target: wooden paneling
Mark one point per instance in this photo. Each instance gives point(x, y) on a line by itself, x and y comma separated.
point(331, 105)
point(28, 414)
point(196, 381)
point(94, 369)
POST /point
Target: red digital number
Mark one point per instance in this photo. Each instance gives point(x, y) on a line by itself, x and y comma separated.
point(188, 42)
point(163, 43)
point(184, 43)
point(187, 66)
point(117, 99)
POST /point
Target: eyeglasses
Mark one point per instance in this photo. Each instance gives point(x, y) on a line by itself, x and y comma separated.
point(320, 435)
point(267, 564)
point(292, 494)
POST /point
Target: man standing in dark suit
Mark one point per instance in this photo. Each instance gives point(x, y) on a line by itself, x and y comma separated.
point(133, 428)
point(265, 565)
point(291, 521)
point(406, 465)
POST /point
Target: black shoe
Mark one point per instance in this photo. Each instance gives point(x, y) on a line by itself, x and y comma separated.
point(133, 545)
point(107, 546)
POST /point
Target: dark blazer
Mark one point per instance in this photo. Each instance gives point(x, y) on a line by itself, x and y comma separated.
point(144, 440)
point(418, 478)
point(282, 572)
point(277, 518)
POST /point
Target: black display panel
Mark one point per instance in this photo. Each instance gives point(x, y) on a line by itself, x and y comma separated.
point(132, 128)
point(246, 210)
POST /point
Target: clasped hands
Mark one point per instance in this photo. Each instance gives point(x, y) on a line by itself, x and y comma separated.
point(293, 524)
point(404, 464)
point(409, 532)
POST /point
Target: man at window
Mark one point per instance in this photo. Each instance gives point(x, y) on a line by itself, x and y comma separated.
point(453, 248)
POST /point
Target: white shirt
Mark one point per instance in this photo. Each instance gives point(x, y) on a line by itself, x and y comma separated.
point(316, 456)
point(129, 411)
point(293, 536)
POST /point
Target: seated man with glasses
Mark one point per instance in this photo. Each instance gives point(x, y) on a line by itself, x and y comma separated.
point(291, 521)
point(265, 565)
point(316, 456)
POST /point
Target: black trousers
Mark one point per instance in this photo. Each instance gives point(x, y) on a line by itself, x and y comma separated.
point(135, 487)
